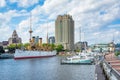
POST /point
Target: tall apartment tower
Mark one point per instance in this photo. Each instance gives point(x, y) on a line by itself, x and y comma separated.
point(64, 31)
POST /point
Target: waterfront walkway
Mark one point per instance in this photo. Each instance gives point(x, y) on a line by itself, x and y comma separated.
point(113, 61)
point(99, 73)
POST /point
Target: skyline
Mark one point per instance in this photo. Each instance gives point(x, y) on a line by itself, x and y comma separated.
point(99, 20)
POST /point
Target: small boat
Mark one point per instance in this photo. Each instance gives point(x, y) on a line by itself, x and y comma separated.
point(6, 56)
point(88, 56)
point(77, 59)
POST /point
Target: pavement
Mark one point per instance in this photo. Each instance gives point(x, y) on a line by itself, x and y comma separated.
point(99, 73)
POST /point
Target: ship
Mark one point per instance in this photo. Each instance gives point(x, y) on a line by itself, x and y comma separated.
point(24, 54)
point(33, 52)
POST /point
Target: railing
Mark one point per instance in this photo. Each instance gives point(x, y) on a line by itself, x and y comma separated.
point(112, 72)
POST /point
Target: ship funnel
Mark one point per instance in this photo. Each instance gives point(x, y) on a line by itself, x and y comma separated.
point(33, 39)
point(40, 41)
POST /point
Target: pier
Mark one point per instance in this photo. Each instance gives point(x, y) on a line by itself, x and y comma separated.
point(99, 74)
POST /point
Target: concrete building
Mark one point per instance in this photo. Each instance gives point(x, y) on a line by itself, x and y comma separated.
point(109, 47)
point(1, 44)
point(5, 44)
point(81, 45)
point(64, 31)
point(51, 40)
point(14, 39)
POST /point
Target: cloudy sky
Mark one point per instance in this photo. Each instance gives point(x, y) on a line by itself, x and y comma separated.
point(98, 19)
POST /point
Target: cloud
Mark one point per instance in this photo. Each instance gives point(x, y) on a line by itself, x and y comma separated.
point(2, 3)
point(4, 33)
point(114, 26)
point(6, 27)
point(25, 3)
point(95, 18)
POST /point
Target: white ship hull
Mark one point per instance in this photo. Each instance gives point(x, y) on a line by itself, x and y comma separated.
point(23, 54)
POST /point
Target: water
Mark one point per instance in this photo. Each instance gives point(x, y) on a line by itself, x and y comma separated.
point(44, 69)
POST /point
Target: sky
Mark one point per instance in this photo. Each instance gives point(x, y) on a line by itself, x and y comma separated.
point(99, 19)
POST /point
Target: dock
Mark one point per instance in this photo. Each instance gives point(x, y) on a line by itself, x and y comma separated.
point(62, 63)
point(99, 73)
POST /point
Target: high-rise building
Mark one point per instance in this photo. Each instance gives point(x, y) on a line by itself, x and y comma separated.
point(64, 31)
point(51, 40)
point(14, 39)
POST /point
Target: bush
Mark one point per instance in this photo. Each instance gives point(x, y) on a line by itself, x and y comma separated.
point(1, 50)
point(117, 53)
point(59, 48)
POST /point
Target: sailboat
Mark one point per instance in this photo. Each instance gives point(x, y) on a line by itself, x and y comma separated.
point(24, 54)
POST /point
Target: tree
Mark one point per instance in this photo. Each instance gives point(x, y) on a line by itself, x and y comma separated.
point(77, 50)
point(117, 53)
point(19, 45)
point(12, 46)
point(1, 49)
point(26, 45)
point(59, 48)
point(52, 46)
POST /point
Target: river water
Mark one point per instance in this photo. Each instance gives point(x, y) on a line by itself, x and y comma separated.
point(44, 69)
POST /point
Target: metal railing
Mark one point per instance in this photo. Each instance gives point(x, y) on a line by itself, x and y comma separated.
point(112, 70)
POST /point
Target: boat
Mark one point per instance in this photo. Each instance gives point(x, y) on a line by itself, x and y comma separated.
point(77, 59)
point(33, 52)
point(24, 54)
point(6, 56)
point(88, 55)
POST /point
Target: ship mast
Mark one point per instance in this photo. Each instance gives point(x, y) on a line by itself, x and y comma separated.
point(30, 31)
point(80, 34)
point(47, 34)
point(113, 38)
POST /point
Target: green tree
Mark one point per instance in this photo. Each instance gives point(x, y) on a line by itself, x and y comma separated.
point(117, 53)
point(77, 50)
point(12, 46)
point(52, 46)
point(19, 45)
point(26, 45)
point(59, 48)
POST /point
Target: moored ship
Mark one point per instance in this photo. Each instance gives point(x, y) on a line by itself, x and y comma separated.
point(24, 54)
point(34, 50)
